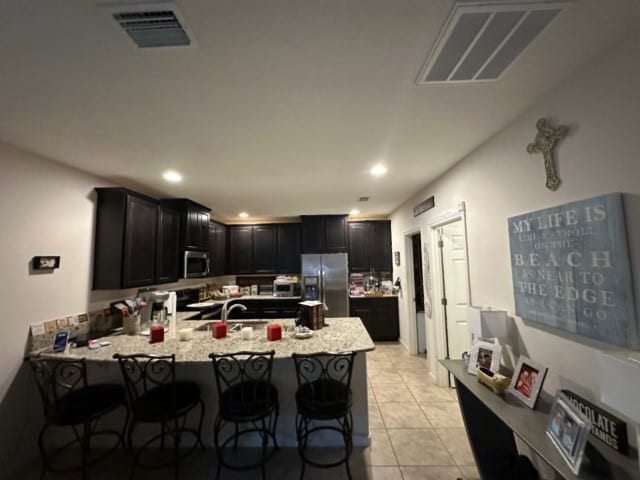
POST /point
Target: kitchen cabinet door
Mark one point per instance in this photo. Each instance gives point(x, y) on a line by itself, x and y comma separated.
point(379, 316)
point(335, 233)
point(217, 248)
point(240, 249)
point(359, 247)
point(264, 248)
point(289, 248)
point(167, 259)
point(380, 246)
point(312, 229)
point(139, 258)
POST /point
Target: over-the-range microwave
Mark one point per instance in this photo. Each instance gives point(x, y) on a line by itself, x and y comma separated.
point(196, 264)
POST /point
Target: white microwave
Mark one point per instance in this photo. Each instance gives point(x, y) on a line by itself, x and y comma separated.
point(196, 264)
point(284, 288)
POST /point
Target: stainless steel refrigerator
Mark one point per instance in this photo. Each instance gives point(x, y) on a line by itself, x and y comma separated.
point(325, 278)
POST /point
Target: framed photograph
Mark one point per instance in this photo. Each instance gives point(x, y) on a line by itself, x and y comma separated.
point(568, 429)
point(484, 354)
point(527, 381)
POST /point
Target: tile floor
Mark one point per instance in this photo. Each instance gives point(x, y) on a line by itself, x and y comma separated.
point(416, 433)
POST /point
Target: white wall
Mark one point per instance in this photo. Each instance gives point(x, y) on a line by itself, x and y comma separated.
point(45, 209)
point(500, 179)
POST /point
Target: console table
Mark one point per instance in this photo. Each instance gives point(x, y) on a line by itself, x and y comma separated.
point(491, 421)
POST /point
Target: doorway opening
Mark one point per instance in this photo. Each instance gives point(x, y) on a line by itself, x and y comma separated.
point(418, 288)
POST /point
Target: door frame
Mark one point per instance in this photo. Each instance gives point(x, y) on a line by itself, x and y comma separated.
point(410, 288)
point(438, 317)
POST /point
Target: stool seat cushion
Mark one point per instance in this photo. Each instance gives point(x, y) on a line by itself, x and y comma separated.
point(323, 399)
point(248, 400)
point(157, 404)
point(85, 404)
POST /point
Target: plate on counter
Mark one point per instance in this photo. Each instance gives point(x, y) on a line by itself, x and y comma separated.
point(303, 333)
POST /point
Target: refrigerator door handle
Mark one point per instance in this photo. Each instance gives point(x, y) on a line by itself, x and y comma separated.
point(322, 283)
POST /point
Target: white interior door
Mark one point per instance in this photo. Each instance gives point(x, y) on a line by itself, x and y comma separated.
point(455, 282)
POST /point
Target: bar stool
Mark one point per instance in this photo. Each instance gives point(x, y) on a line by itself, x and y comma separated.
point(156, 397)
point(323, 402)
point(245, 396)
point(69, 401)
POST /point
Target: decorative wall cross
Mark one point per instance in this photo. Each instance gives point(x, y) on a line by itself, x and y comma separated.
point(544, 143)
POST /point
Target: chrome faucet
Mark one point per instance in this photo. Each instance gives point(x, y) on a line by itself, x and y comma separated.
point(226, 311)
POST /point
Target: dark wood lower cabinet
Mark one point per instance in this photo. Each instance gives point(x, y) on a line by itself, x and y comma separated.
point(379, 316)
point(269, 309)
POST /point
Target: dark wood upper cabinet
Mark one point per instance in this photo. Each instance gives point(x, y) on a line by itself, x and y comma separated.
point(380, 246)
point(194, 223)
point(125, 239)
point(217, 248)
point(139, 264)
point(265, 258)
point(359, 247)
point(240, 249)
point(264, 249)
point(370, 246)
point(324, 233)
point(289, 248)
point(167, 259)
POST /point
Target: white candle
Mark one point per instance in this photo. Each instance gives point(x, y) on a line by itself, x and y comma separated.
point(247, 333)
point(185, 334)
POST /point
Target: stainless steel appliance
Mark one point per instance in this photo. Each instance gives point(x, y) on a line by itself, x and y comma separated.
point(283, 288)
point(196, 264)
point(324, 278)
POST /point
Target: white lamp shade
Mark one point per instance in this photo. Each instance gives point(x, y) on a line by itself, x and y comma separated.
point(487, 323)
point(620, 382)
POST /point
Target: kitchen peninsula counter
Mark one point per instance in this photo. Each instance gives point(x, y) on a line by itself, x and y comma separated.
point(342, 334)
point(193, 364)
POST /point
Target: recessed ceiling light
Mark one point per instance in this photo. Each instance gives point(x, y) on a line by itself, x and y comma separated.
point(243, 215)
point(172, 176)
point(378, 170)
point(355, 211)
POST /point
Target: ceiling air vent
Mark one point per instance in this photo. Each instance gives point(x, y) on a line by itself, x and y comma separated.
point(363, 199)
point(480, 40)
point(151, 25)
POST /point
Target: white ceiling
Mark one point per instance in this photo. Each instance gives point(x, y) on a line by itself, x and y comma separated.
point(282, 107)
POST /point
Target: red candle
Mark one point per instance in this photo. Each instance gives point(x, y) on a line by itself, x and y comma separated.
point(274, 331)
point(156, 334)
point(219, 330)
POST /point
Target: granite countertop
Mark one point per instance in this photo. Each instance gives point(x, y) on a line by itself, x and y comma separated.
point(342, 334)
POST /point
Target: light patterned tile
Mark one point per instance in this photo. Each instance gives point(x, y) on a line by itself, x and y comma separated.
point(376, 473)
point(470, 473)
point(384, 375)
point(430, 473)
point(378, 453)
point(420, 446)
point(425, 394)
point(403, 415)
point(375, 418)
point(385, 393)
point(416, 376)
point(442, 414)
point(455, 440)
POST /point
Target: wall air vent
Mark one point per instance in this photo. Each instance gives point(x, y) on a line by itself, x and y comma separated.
point(151, 25)
point(480, 40)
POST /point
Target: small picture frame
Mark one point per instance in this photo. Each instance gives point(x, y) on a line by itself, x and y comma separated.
point(484, 354)
point(568, 429)
point(527, 381)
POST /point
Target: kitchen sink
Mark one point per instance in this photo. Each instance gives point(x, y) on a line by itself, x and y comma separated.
point(235, 325)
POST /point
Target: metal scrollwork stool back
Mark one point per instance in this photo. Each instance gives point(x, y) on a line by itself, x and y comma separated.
point(155, 396)
point(323, 401)
point(69, 401)
point(247, 398)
